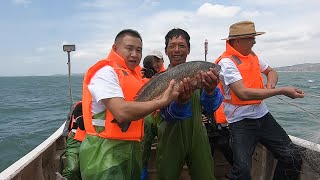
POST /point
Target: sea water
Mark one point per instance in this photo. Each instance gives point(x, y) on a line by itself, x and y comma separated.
point(32, 108)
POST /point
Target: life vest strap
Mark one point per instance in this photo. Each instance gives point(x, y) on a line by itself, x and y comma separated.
point(98, 122)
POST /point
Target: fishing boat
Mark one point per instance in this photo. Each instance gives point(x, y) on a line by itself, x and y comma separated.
point(46, 161)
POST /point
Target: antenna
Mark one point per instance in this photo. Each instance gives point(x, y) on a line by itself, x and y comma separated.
point(68, 49)
point(205, 49)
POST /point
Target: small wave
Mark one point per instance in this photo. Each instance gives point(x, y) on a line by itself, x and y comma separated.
point(310, 81)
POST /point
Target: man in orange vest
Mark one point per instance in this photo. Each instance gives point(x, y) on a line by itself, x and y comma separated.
point(249, 120)
point(110, 149)
point(76, 135)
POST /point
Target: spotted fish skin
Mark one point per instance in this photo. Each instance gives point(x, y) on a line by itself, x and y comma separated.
point(158, 84)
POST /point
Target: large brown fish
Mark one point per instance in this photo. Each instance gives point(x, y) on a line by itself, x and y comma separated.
point(158, 84)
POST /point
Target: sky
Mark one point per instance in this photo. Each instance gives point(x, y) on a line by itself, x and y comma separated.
point(34, 31)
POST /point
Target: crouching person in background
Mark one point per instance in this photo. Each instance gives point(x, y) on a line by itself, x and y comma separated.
point(76, 135)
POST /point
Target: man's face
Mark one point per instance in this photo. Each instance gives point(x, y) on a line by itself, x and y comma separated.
point(130, 49)
point(158, 63)
point(177, 50)
point(245, 45)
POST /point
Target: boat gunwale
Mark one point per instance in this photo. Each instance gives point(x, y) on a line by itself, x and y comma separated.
point(23, 162)
point(305, 143)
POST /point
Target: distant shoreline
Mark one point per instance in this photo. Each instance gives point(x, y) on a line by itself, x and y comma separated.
point(305, 67)
point(297, 71)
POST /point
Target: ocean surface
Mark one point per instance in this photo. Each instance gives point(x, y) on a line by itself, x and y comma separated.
point(32, 108)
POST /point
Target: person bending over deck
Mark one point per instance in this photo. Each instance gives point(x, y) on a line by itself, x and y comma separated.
point(249, 119)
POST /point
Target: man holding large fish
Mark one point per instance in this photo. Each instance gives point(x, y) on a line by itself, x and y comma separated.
point(111, 151)
point(249, 120)
point(181, 135)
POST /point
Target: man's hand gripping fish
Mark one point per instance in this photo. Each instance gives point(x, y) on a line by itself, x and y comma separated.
point(158, 84)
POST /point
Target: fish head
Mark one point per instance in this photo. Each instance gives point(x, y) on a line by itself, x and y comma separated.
point(217, 68)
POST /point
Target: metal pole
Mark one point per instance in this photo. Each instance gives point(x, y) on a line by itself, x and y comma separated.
point(205, 49)
point(70, 86)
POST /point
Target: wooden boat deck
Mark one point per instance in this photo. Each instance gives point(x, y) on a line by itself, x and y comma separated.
point(44, 161)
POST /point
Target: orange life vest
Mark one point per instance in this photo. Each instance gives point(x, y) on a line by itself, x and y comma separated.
point(219, 115)
point(78, 133)
point(162, 68)
point(249, 69)
point(130, 82)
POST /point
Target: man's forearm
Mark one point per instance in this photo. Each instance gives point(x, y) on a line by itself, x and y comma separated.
point(259, 94)
point(272, 79)
point(127, 111)
point(176, 111)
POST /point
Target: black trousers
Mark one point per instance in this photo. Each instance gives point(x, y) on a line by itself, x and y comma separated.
point(245, 135)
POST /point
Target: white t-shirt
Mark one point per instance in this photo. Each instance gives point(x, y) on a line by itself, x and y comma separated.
point(104, 84)
point(229, 74)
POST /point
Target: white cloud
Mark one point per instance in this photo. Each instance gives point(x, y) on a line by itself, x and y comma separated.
point(272, 2)
point(250, 14)
point(217, 11)
point(149, 4)
point(22, 2)
point(289, 36)
point(101, 4)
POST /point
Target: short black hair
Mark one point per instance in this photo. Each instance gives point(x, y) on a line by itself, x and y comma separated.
point(130, 32)
point(176, 32)
point(148, 62)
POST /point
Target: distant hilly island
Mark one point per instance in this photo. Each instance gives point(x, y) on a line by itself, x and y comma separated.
point(305, 67)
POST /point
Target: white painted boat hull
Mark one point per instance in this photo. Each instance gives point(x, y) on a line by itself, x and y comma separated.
point(44, 162)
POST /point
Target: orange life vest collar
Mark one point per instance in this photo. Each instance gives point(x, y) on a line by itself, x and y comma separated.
point(115, 58)
point(249, 69)
point(130, 81)
point(162, 68)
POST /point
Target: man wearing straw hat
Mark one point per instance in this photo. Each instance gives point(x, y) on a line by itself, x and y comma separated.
point(249, 119)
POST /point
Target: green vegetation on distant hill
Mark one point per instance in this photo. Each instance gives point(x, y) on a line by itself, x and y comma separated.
point(312, 67)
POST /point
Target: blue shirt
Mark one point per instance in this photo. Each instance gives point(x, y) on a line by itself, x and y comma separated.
point(176, 111)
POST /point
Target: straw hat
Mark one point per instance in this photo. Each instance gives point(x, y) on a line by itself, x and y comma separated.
point(242, 29)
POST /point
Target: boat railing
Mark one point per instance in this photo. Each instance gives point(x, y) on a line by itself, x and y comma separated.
point(306, 144)
point(36, 160)
point(43, 161)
